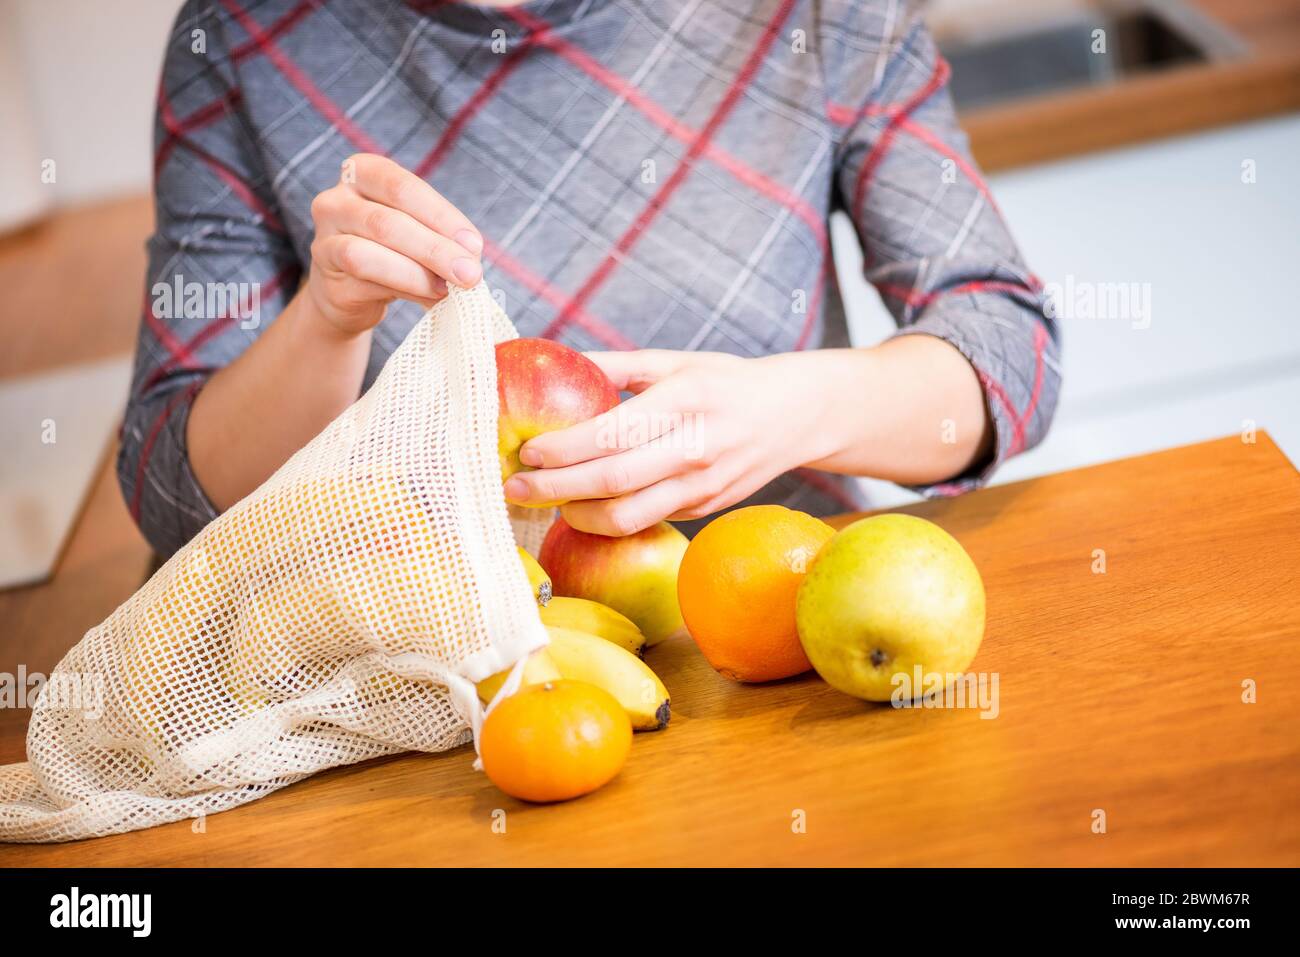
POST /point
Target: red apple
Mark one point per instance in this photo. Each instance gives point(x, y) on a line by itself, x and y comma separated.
point(543, 386)
point(635, 575)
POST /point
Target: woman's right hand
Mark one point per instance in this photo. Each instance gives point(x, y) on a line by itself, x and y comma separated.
point(382, 233)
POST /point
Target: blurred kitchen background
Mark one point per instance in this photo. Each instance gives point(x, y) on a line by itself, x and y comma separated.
point(1152, 142)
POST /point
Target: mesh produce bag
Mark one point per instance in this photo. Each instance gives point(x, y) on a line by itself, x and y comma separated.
point(340, 612)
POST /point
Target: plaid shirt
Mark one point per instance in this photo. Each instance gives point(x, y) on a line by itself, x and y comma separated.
point(644, 175)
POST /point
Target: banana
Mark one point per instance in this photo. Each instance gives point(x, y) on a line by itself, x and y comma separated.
point(539, 670)
point(580, 614)
point(585, 657)
point(537, 577)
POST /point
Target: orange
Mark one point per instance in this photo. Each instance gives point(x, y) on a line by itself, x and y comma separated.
point(737, 586)
point(555, 741)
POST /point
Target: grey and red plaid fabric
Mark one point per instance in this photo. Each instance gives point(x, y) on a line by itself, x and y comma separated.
point(645, 175)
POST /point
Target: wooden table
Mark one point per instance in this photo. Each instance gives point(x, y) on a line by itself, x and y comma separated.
point(1119, 691)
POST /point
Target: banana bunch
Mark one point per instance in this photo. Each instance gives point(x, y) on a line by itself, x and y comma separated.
point(586, 657)
point(582, 656)
point(580, 614)
point(590, 642)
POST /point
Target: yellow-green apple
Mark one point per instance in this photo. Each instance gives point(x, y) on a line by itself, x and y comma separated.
point(635, 575)
point(543, 386)
point(887, 598)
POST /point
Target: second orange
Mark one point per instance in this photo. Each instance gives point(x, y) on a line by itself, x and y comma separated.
point(737, 588)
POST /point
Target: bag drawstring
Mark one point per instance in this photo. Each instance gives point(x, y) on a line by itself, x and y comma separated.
point(464, 694)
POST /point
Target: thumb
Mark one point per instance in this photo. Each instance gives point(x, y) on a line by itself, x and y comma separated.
point(637, 369)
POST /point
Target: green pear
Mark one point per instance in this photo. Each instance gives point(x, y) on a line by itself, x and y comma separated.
point(885, 596)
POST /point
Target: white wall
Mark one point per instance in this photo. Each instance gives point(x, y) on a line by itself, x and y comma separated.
point(22, 198)
point(1220, 258)
point(88, 73)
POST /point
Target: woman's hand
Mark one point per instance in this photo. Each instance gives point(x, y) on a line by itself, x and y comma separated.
point(706, 430)
point(382, 233)
point(703, 431)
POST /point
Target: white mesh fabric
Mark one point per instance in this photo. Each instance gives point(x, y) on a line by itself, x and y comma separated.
point(340, 612)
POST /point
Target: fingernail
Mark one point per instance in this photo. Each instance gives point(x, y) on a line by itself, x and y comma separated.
point(465, 271)
point(530, 457)
point(470, 240)
point(516, 489)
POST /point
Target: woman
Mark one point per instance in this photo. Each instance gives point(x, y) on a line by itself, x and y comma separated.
point(648, 182)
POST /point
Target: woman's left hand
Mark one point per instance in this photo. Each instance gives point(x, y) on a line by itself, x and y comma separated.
point(703, 430)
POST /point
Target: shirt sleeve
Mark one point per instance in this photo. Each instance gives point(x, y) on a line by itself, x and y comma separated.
point(220, 267)
point(934, 243)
